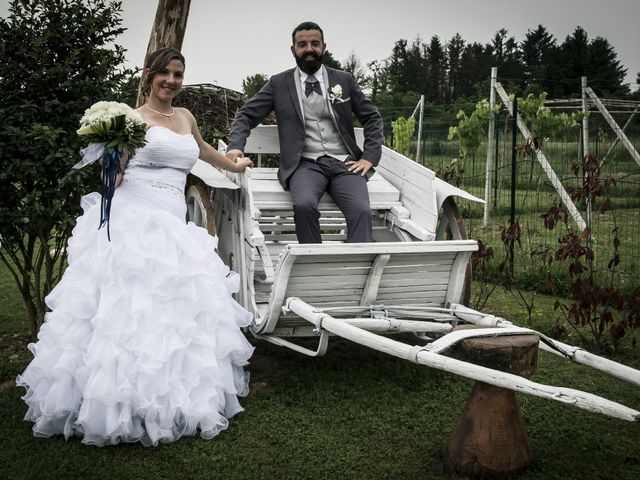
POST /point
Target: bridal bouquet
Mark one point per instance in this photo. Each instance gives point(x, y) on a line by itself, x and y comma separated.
point(110, 129)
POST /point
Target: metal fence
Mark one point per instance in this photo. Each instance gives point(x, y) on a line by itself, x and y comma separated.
point(534, 196)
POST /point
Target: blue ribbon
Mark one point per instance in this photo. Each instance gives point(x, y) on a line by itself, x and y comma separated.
point(110, 170)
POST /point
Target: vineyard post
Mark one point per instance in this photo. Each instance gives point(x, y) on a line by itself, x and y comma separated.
point(585, 140)
point(512, 215)
point(419, 148)
point(490, 150)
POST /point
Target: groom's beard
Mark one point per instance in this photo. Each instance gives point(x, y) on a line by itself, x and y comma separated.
point(309, 65)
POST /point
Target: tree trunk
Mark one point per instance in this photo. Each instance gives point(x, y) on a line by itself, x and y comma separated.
point(30, 309)
point(168, 29)
point(490, 439)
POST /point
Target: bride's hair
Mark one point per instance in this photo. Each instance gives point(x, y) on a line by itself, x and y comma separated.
point(156, 62)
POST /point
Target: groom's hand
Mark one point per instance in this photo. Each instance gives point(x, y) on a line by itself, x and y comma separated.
point(362, 166)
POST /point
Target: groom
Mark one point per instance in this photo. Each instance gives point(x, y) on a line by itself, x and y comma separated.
point(314, 106)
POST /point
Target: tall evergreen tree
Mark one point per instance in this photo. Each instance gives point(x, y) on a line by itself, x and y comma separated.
point(405, 68)
point(353, 65)
point(330, 61)
point(540, 54)
point(604, 72)
point(454, 49)
point(476, 62)
point(508, 58)
point(436, 71)
point(574, 54)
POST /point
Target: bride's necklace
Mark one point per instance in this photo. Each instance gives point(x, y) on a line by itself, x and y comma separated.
point(168, 115)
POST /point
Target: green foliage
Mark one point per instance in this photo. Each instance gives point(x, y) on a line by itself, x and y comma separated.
point(472, 129)
point(543, 122)
point(58, 59)
point(253, 83)
point(402, 133)
point(330, 61)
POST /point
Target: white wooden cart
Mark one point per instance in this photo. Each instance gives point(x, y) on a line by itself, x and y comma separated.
point(411, 279)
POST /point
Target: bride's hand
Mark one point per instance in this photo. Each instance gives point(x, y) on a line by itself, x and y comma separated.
point(242, 163)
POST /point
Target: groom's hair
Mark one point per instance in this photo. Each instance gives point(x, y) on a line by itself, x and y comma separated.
point(306, 26)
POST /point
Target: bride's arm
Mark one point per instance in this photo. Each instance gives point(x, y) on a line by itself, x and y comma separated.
point(213, 156)
point(124, 158)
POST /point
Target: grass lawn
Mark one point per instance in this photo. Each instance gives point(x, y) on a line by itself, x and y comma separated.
point(353, 414)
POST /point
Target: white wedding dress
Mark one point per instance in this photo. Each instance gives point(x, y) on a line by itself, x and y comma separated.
point(143, 341)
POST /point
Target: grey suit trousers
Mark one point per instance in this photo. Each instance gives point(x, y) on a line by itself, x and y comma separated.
point(311, 180)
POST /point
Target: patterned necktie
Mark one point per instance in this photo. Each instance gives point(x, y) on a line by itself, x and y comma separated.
point(311, 84)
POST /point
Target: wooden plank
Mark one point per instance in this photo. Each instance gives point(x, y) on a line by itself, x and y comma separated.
point(316, 295)
point(291, 238)
point(411, 298)
point(415, 184)
point(416, 271)
point(373, 279)
point(267, 191)
point(271, 228)
point(325, 203)
point(411, 282)
point(417, 288)
point(263, 139)
point(348, 249)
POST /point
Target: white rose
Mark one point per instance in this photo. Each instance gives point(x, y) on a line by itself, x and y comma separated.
point(114, 111)
point(135, 116)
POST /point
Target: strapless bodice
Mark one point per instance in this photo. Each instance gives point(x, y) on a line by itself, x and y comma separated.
point(157, 173)
point(166, 149)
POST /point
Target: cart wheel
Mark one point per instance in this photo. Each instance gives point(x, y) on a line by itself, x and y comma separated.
point(451, 227)
point(199, 209)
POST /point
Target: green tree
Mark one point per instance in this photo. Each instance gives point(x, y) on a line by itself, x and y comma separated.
point(58, 57)
point(574, 53)
point(507, 56)
point(595, 59)
point(253, 83)
point(454, 50)
point(405, 68)
point(476, 63)
point(330, 61)
point(604, 71)
point(540, 54)
point(434, 87)
point(353, 65)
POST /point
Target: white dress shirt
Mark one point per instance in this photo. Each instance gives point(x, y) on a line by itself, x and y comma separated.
point(319, 76)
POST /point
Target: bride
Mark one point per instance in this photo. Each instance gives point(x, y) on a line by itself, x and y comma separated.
point(143, 339)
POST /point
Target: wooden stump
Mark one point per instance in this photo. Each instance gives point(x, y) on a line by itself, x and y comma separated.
point(490, 440)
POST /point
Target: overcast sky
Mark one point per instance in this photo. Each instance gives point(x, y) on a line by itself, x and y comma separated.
point(228, 40)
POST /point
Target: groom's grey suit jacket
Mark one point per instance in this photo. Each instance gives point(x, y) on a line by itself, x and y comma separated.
point(282, 96)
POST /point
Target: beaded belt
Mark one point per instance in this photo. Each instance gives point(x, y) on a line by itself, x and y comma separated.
point(173, 190)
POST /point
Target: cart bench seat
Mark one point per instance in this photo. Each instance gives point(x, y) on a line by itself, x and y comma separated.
point(364, 274)
point(272, 226)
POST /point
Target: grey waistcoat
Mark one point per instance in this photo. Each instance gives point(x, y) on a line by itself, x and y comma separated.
point(321, 136)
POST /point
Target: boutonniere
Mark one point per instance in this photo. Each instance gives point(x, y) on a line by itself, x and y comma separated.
point(335, 94)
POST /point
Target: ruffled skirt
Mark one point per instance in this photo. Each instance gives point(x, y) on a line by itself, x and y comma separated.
point(143, 341)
